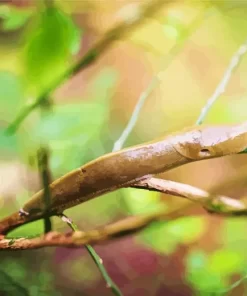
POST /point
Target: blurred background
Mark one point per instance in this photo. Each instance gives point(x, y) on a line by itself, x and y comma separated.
point(188, 45)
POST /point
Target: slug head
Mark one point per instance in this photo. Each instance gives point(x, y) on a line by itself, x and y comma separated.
point(211, 141)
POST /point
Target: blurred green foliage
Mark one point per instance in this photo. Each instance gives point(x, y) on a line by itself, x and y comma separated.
point(165, 237)
point(211, 273)
point(141, 201)
point(13, 18)
point(15, 273)
point(9, 286)
point(48, 48)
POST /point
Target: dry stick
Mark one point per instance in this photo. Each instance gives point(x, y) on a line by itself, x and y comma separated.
point(186, 34)
point(222, 205)
point(119, 31)
point(96, 258)
point(235, 61)
point(77, 239)
point(217, 203)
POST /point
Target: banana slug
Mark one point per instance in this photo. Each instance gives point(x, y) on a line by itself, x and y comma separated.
point(125, 167)
point(120, 169)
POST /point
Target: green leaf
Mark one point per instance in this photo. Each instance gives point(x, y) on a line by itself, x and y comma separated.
point(211, 273)
point(187, 229)
point(225, 262)
point(232, 235)
point(165, 237)
point(32, 229)
point(10, 287)
point(14, 18)
point(198, 275)
point(142, 201)
point(196, 260)
point(48, 48)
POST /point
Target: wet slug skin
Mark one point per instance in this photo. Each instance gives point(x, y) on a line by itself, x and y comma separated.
point(125, 167)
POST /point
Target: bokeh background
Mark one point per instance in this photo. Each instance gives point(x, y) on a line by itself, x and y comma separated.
point(195, 254)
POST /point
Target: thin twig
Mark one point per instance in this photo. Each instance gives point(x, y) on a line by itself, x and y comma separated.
point(43, 163)
point(221, 88)
point(77, 239)
point(213, 203)
point(165, 62)
point(119, 31)
point(145, 94)
point(96, 258)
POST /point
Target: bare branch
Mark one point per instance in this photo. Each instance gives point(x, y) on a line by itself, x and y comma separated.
point(214, 203)
point(80, 238)
point(219, 204)
point(221, 88)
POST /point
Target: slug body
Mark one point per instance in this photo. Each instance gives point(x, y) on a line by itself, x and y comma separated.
point(127, 166)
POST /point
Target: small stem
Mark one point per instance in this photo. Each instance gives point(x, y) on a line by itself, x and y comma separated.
point(144, 95)
point(43, 163)
point(96, 258)
point(221, 88)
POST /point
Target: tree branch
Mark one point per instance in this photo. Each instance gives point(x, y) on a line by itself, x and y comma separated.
point(213, 203)
point(218, 204)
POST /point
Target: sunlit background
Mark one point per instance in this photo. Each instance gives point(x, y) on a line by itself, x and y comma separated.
point(187, 46)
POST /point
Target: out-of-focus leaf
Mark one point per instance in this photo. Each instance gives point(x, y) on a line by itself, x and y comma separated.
point(17, 269)
point(30, 229)
point(198, 276)
point(196, 260)
point(232, 235)
point(14, 18)
point(9, 287)
point(210, 273)
point(36, 283)
point(225, 262)
point(165, 237)
point(48, 48)
point(142, 201)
